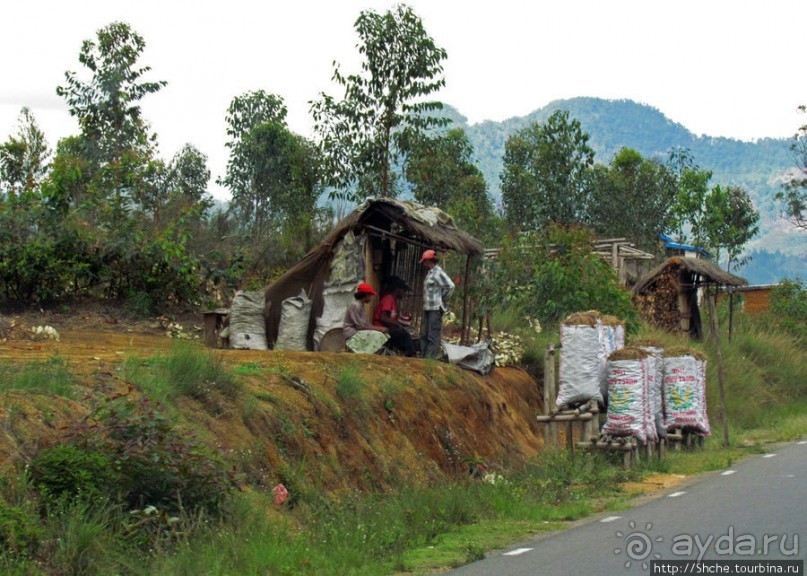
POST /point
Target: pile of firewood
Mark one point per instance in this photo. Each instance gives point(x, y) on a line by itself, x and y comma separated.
point(659, 303)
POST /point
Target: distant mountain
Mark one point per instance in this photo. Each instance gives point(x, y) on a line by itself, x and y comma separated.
point(757, 166)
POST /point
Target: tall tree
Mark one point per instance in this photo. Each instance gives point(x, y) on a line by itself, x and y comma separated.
point(188, 175)
point(692, 188)
point(546, 175)
point(24, 158)
point(793, 195)
point(731, 222)
point(273, 174)
point(443, 174)
point(364, 134)
point(633, 197)
point(107, 105)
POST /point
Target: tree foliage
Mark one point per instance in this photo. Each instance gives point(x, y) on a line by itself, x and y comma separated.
point(692, 188)
point(188, 175)
point(364, 134)
point(633, 198)
point(24, 158)
point(443, 174)
point(274, 175)
point(547, 174)
point(554, 272)
point(107, 104)
point(732, 221)
point(793, 195)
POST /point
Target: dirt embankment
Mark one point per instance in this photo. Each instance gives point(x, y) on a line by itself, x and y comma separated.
point(317, 421)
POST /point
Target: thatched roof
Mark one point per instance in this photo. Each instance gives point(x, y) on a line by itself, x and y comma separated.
point(709, 273)
point(430, 226)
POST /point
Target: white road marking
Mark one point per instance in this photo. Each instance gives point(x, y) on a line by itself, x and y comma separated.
point(676, 494)
point(727, 473)
point(517, 551)
point(803, 442)
point(610, 519)
point(768, 455)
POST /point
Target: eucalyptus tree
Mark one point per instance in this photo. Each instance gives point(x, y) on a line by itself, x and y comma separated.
point(547, 174)
point(692, 187)
point(273, 174)
point(633, 197)
point(188, 175)
point(731, 222)
point(442, 173)
point(24, 158)
point(365, 133)
point(107, 104)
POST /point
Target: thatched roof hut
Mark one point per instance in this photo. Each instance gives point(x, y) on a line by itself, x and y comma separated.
point(380, 238)
point(667, 296)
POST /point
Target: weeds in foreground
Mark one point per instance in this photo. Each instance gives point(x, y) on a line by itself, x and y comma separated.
point(50, 376)
point(187, 371)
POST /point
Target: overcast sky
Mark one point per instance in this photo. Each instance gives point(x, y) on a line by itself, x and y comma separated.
point(732, 68)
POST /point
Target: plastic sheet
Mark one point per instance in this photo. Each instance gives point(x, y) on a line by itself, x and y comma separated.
point(478, 357)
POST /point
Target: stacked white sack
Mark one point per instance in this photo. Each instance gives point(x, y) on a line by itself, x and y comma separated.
point(612, 338)
point(655, 380)
point(580, 360)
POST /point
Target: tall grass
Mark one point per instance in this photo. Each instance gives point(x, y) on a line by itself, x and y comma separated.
point(349, 384)
point(187, 370)
point(50, 376)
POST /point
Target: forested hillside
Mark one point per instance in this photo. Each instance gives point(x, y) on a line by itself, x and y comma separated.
point(613, 124)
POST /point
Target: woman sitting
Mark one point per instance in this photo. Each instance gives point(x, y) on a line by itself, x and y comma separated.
point(386, 316)
point(356, 322)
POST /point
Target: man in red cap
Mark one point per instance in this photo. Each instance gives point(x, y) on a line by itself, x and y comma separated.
point(355, 317)
point(437, 289)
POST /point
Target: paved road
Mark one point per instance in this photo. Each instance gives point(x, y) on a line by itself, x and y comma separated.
point(762, 498)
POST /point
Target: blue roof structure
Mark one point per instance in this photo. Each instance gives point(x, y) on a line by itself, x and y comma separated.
point(670, 243)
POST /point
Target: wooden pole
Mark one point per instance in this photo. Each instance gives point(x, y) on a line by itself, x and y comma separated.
point(549, 379)
point(719, 355)
point(465, 295)
point(547, 396)
point(731, 312)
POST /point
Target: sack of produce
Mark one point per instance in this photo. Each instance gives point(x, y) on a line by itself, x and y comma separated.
point(628, 412)
point(685, 391)
point(581, 358)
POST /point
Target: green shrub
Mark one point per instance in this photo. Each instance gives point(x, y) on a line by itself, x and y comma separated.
point(154, 464)
point(67, 473)
point(20, 532)
point(549, 275)
point(789, 307)
point(349, 385)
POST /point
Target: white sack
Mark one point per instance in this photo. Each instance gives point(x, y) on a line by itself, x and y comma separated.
point(627, 389)
point(295, 315)
point(685, 394)
point(581, 358)
point(247, 324)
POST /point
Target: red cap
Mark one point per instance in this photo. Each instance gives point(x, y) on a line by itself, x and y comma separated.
point(428, 255)
point(365, 289)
